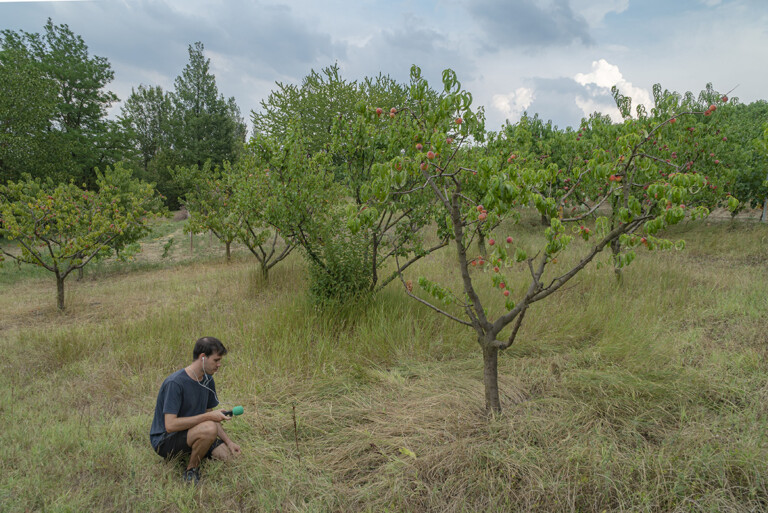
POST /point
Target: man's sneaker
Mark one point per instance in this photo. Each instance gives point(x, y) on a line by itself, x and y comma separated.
point(192, 475)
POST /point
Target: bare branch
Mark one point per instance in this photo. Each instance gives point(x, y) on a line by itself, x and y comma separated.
point(481, 324)
point(658, 159)
point(515, 329)
point(561, 280)
point(573, 188)
point(436, 190)
point(584, 216)
point(93, 255)
point(31, 252)
point(386, 282)
point(430, 305)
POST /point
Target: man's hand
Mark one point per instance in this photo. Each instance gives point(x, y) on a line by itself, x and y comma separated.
point(234, 448)
point(217, 416)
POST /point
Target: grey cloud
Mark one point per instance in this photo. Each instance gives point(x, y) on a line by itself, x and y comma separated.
point(154, 35)
point(393, 51)
point(271, 39)
point(529, 23)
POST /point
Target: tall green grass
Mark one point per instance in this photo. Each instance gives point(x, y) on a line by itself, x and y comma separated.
point(644, 396)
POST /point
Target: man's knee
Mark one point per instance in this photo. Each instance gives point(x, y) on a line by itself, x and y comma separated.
point(222, 453)
point(205, 431)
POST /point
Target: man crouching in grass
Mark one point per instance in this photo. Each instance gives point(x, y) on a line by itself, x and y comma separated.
point(184, 418)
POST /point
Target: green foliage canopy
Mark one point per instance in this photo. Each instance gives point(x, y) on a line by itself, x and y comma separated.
point(61, 227)
point(53, 114)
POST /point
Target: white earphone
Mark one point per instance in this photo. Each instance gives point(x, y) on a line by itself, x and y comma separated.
point(206, 380)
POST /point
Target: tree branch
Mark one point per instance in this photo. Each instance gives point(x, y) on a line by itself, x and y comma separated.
point(430, 305)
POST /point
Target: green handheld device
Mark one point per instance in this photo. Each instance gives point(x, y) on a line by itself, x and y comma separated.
point(237, 410)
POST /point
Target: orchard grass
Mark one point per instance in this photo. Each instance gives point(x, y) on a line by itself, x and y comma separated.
point(649, 395)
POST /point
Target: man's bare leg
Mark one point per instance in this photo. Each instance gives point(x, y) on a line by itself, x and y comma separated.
point(200, 438)
point(222, 453)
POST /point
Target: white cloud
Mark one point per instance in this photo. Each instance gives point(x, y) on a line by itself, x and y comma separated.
point(605, 75)
point(591, 105)
point(513, 104)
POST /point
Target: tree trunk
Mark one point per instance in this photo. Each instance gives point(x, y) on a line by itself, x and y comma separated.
point(481, 242)
point(229, 254)
point(545, 220)
point(764, 216)
point(616, 249)
point(80, 274)
point(191, 239)
point(60, 292)
point(265, 272)
point(491, 379)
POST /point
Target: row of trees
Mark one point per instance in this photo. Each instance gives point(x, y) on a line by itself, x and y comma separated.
point(364, 178)
point(53, 108)
point(53, 115)
point(55, 137)
point(188, 126)
point(357, 176)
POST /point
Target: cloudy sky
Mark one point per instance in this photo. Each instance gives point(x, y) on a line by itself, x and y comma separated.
point(555, 57)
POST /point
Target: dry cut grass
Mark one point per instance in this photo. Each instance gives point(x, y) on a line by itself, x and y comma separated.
point(648, 396)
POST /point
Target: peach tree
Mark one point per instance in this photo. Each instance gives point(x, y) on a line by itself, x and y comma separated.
point(616, 181)
point(209, 202)
point(284, 196)
point(348, 124)
point(391, 208)
point(62, 228)
point(679, 143)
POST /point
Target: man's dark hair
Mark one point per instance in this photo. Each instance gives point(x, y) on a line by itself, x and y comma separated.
point(208, 346)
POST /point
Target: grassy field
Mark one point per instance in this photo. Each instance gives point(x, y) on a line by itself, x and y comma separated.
point(648, 396)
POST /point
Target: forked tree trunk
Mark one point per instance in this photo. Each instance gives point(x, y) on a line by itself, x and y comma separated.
point(228, 244)
point(60, 292)
point(491, 378)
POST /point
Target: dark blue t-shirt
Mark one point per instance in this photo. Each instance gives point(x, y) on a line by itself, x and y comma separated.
point(183, 396)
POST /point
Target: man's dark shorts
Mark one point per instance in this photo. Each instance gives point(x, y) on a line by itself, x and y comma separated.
point(176, 443)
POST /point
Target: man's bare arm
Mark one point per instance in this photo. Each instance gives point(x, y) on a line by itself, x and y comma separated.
point(174, 423)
